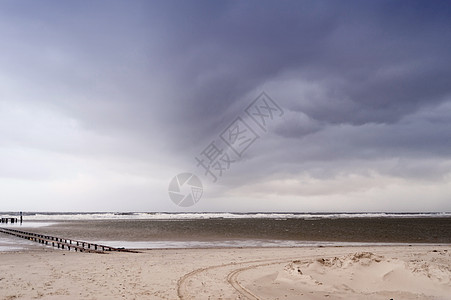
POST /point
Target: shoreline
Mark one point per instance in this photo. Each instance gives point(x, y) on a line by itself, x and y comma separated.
point(12, 243)
point(268, 273)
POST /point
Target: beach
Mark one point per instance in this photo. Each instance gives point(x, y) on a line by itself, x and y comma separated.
point(378, 272)
point(250, 256)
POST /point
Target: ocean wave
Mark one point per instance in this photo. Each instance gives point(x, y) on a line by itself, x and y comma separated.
point(46, 216)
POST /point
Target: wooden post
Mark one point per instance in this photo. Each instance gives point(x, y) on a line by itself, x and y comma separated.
point(56, 241)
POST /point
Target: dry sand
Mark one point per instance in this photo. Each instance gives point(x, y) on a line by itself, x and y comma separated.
point(394, 272)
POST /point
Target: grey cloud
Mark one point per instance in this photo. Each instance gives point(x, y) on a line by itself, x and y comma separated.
point(360, 82)
point(381, 60)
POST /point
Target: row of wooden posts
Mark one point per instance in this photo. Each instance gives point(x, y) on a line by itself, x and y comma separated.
point(57, 242)
point(9, 220)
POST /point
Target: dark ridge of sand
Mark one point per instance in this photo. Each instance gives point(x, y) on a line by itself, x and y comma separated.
point(386, 230)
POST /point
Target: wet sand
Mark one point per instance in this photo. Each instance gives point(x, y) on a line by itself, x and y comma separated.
point(388, 230)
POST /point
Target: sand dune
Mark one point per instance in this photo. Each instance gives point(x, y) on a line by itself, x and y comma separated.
point(360, 275)
point(402, 272)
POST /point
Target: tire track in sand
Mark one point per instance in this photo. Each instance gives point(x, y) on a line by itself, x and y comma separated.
point(230, 278)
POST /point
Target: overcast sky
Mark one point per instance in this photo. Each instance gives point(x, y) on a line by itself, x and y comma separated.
point(102, 103)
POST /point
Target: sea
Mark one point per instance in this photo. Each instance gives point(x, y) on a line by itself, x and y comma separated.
point(164, 230)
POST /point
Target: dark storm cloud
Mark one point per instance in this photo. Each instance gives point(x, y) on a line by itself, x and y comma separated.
point(374, 62)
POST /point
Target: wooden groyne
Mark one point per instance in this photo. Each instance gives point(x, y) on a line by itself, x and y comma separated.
point(61, 243)
point(10, 220)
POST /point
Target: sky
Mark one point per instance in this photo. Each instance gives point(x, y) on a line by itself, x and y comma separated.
point(103, 103)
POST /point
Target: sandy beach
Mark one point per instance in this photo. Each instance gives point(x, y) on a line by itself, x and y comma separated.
point(378, 272)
